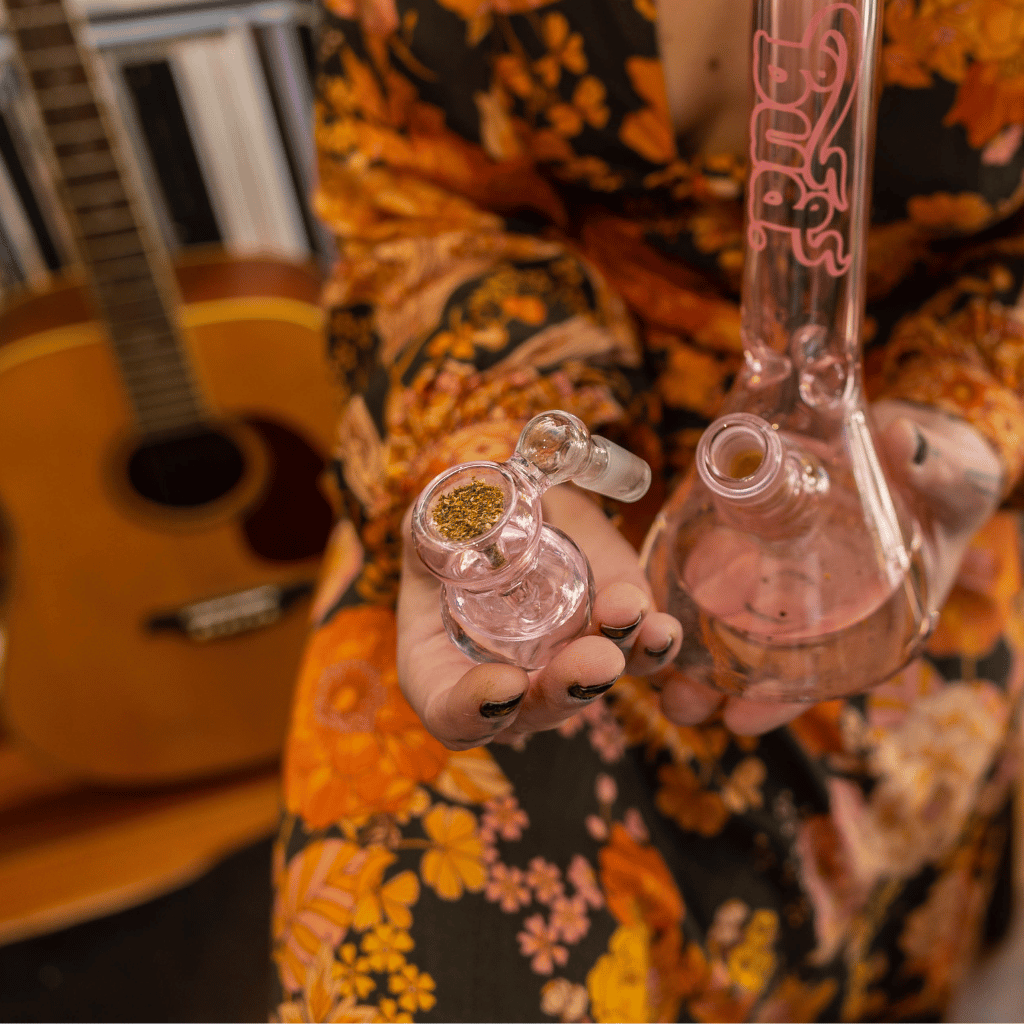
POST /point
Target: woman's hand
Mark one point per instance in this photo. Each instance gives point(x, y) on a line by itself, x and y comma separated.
point(465, 705)
point(949, 476)
point(945, 470)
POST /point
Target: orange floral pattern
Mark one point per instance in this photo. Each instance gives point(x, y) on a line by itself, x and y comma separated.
point(520, 229)
point(356, 748)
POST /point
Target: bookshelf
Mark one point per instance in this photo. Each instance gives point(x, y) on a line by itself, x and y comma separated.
point(215, 101)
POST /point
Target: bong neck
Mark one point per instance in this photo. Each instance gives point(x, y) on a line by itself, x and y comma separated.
point(759, 482)
point(811, 148)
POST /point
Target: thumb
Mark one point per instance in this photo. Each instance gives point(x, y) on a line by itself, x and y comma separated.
point(951, 479)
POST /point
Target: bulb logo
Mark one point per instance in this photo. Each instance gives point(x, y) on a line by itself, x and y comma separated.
point(799, 186)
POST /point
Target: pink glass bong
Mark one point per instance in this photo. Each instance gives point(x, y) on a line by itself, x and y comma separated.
point(794, 568)
point(515, 589)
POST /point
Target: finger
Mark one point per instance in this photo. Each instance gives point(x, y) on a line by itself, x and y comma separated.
point(476, 707)
point(958, 480)
point(656, 644)
point(623, 603)
point(459, 702)
point(462, 704)
point(750, 717)
point(685, 701)
point(618, 614)
point(978, 570)
point(578, 675)
point(612, 558)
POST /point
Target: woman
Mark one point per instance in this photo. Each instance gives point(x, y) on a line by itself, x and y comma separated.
point(538, 206)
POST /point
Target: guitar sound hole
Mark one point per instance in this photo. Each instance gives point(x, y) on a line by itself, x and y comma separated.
point(187, 470)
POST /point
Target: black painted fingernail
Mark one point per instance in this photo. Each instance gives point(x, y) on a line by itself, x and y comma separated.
point(662, 651)
point(499, 709)
point(921, 451)
point(621, 632)
point(589, 692)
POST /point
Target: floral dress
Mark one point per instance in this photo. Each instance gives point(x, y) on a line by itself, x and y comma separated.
point(519, 230)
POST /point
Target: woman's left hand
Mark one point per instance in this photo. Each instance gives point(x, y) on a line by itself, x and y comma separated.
point(949, 477)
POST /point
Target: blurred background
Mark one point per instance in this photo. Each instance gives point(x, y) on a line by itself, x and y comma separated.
point(166, 416)
point(165, 419)
point(214, 98)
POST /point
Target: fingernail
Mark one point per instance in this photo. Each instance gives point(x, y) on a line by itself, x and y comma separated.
point(621, 632)
point(589, 692)
point(662, 651)
point(499, 709)
point(921, 451)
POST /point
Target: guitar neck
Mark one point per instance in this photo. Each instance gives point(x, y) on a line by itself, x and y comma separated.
point(127, 267)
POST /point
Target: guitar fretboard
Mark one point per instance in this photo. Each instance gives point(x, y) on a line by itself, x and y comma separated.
point(129, 272)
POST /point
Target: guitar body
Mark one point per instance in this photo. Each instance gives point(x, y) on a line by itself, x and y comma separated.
point(155, 616)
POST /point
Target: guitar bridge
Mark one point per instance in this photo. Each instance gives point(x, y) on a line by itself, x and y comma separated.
point(230, 614)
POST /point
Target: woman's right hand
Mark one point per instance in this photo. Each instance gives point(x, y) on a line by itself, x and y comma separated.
point(465, 705)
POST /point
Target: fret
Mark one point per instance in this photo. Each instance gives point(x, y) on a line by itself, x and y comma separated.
point(56, 58)
point(164, 373)
point(107, 247)
point(84, 165)
point(178, 410)
point(35, 16)
point(95, 193)
point(77, 133)
point(148, 375)
point(172, 409)
point(45, 37)
point(84, 181)
point(125, 268)
point(135, 309)
point(115, 293)
point(52, 78)
point(59, 97)
point(145, 373)
point(147, 358)
point(85, 209)
point(165, 364)
point(106, 219)
point(174, 404)
point(70, 112)
point(154, 331)
point(77, 149)
point(158, 389)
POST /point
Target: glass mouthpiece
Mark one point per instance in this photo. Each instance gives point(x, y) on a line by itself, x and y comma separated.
point(739, 456)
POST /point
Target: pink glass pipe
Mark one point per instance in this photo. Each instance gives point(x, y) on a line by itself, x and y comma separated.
point(521, 590)
point(794, 568)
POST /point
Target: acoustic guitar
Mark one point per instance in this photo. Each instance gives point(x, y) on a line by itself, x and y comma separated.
point(161, 438)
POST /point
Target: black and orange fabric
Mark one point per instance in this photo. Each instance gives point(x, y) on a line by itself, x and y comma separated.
point(519, 230)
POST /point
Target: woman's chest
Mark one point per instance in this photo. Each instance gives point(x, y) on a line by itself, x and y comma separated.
point(705, 53)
